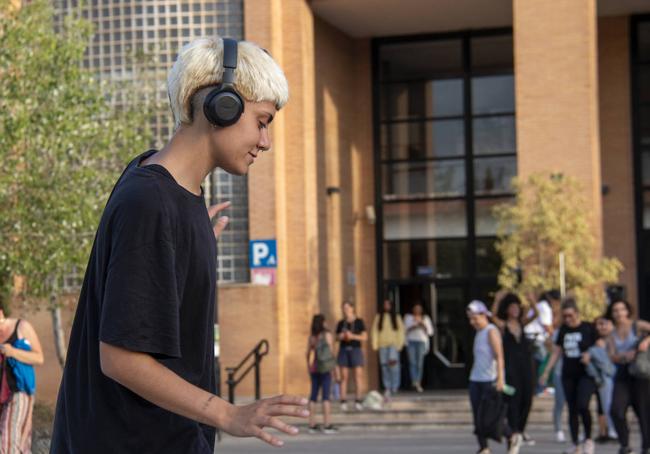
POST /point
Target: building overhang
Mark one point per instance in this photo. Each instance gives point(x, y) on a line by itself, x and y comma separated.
point(374, 18)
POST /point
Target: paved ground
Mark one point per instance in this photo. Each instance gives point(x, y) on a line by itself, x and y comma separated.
point(406, 442)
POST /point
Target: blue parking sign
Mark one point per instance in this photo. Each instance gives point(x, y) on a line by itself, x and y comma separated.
point(263, 254)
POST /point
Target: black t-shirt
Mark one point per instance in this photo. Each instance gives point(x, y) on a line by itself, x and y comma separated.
point(574, 342)
point(356, 327)
point(149, 287)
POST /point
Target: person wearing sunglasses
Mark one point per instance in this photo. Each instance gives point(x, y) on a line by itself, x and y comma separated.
point(574, 339)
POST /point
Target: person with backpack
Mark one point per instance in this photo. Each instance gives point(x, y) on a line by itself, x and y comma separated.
point(626, 341)
point(20, 350)
point(388, 336)
point(320, 363)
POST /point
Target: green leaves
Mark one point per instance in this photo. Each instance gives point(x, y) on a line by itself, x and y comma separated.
point(550, 216)
point(63, 142)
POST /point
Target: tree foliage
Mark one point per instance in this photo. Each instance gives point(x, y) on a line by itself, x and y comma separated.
point(63, 141)
point(549, 217)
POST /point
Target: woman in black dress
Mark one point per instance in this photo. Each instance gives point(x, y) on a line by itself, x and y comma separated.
point(511, 319)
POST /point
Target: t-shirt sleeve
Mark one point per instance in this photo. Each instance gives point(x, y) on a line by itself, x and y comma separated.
point(361, 327)
point(140, 306)
point(339, 327)
point(545, 314)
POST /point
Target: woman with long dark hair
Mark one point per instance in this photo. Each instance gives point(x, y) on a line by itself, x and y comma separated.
point(626, 340)
point(387, 336)
point(574, 339)
point(511, 319)
point(320, 363)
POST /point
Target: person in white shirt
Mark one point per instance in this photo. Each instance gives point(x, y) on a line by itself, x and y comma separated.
point(419, 329)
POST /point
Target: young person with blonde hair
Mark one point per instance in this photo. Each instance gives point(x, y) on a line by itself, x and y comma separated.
point(139, 375)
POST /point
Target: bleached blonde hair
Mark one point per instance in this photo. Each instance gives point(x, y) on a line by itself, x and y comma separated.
point(200, 64)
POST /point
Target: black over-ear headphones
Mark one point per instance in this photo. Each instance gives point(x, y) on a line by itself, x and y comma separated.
point(223, 105)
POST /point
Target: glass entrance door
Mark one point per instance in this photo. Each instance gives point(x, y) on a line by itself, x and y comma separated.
point(449, 354)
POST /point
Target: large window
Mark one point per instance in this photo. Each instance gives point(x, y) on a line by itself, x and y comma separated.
point(160, 29)
point(446, 152)
point(445, 156)
point(641, 106)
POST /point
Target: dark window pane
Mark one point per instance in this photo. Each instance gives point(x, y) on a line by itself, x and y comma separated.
point(408, 259)
point(644, 40)
point(414, 140)
point(494, 94)
point(434, 98)
point(424, 179)
point(643, 73)
point(488, 260)
point(420, 60)
point(494, 175)
point(492, 52)
point(646, 211)
point(494, 135)
point(453, 338)
point(441, 219)
point(486, 224)
point(644, 125)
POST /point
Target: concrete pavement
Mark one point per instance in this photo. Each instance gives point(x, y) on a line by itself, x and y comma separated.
point(442, 441)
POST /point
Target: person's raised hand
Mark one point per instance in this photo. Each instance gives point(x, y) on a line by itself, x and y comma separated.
point(250, 420)
point(222, 221)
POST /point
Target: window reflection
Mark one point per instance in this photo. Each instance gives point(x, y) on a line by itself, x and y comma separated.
point(494, 175)
point(424, 179)
point(418, 140)
point(494, 135)
point(493, 94)
point(418, 100)
point(440, 219)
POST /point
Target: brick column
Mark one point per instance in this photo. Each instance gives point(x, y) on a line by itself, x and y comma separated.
point(556, 68)
point(285, 28)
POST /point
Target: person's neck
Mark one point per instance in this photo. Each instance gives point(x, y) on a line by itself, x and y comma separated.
point(186, 157)
point(624, 324)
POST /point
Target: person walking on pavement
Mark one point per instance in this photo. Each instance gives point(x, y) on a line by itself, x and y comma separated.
point(351, 331)
point(627, 339)
point(320, 364)
point(574, 339)
point(488, 368)
point(419, 329)
point(511, 319)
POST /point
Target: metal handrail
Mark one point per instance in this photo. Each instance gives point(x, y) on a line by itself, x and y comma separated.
point(259, 352)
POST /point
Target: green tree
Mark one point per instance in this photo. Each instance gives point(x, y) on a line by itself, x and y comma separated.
point(548, 218)
point(64, 138)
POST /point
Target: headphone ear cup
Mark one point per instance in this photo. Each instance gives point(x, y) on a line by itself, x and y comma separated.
point(223, 106)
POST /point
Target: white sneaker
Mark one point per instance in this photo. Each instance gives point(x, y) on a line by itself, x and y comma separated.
point(358, 406)
point(559, 436)
point(515, 444)
point(575, 450)
point(588, 447)
point(344, 406)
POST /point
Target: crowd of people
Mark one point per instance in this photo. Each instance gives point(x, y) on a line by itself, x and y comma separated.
point(330, 372)
point(521, 349)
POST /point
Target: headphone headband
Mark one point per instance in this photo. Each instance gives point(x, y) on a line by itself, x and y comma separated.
point(229, 61)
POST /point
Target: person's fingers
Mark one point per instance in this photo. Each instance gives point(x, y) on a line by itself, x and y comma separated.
point(221, 224)
point(268, 438)
point(280, 425)
point(288, 410)
point(215, 209)
point(284, 399)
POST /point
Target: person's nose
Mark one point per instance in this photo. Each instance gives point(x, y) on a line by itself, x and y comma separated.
point(264, 142)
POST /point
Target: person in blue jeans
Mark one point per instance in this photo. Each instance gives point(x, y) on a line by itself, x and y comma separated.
point(387, 336)
point(419, 329)
point(320, 363)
